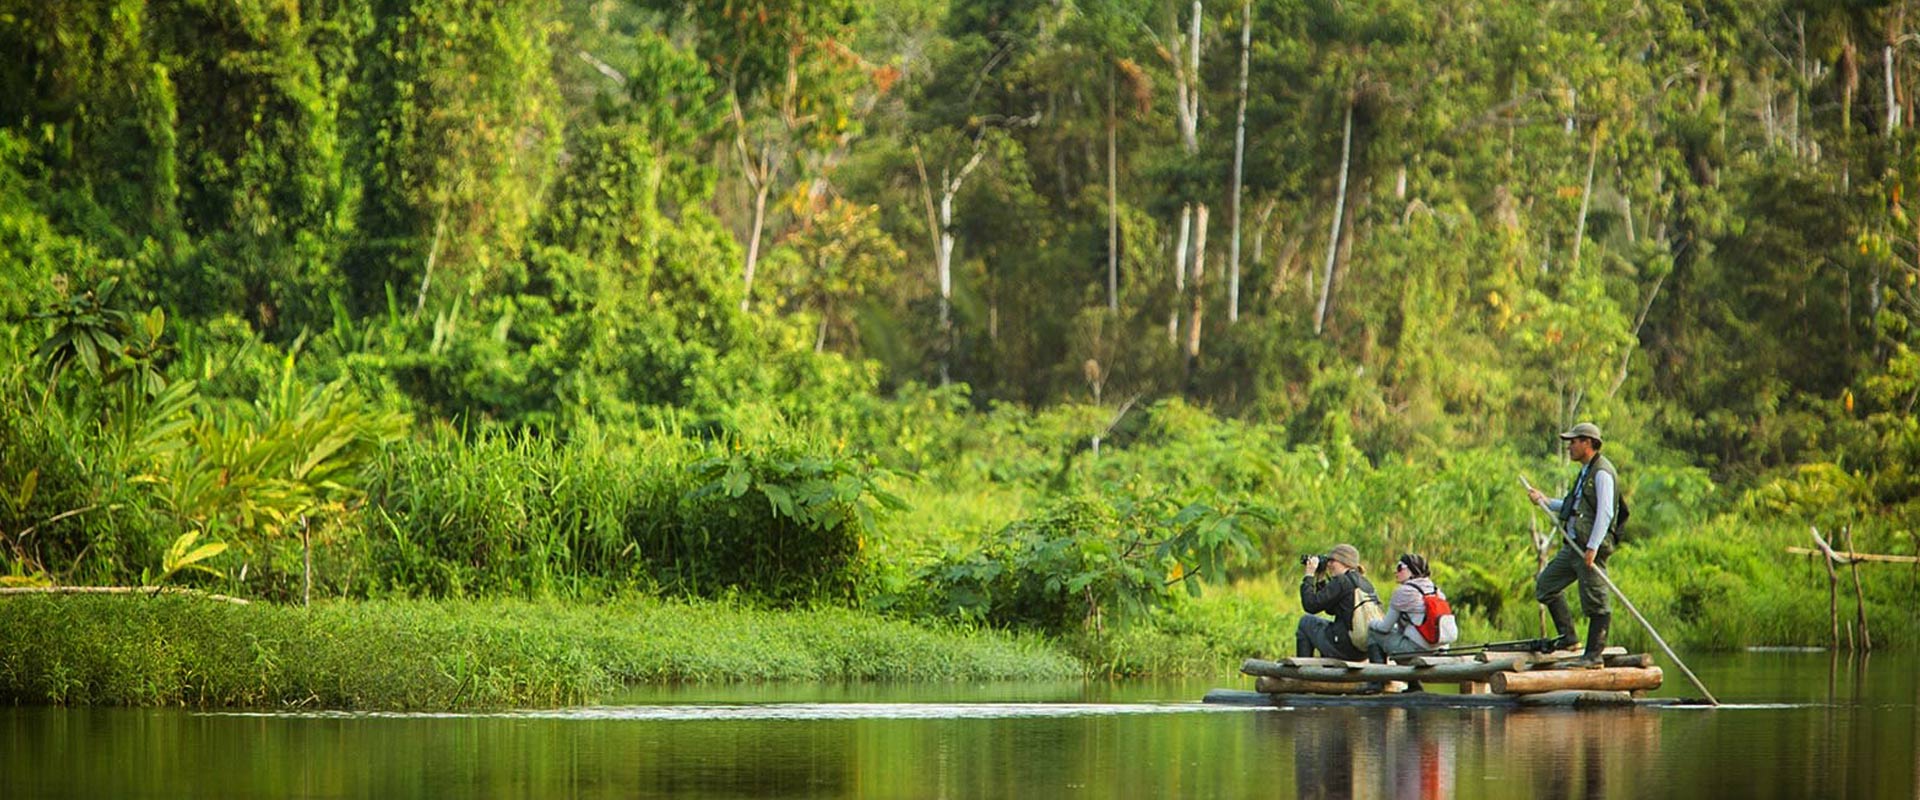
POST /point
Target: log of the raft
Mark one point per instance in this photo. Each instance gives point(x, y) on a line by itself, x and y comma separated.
point(1267, 684)
point(1330, 663)
point(1567, 663)
point(1543, 658)
point(1433, 661)
point(1549, 680)
point(1631, 660)
point(1446, 673)
point(1576, 698)
point(1235, 697)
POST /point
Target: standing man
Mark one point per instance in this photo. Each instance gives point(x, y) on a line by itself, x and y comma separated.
point(1586, 516)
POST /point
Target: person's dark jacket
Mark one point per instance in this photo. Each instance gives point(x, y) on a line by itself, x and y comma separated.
point(1335, 596)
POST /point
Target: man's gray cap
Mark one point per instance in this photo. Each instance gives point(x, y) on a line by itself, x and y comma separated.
point(1587, 429)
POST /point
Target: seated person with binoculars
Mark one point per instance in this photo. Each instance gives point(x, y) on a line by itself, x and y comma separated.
point(1344, 586)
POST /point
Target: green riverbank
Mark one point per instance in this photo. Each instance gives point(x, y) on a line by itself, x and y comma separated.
point(170, 650)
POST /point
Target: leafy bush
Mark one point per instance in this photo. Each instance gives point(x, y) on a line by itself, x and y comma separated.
point(784, 519)
point(1082, 558)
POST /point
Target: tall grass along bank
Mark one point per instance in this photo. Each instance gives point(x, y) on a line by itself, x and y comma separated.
point(165, 650)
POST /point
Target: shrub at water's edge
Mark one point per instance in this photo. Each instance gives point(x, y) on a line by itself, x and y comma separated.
point(170, 650)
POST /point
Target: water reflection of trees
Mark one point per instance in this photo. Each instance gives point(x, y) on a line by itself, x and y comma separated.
point(1342, 754)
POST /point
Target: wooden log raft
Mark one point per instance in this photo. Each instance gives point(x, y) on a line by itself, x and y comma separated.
point(1360, 671)
point(1426, 700)
point(1267, 684)
point(1549, 680)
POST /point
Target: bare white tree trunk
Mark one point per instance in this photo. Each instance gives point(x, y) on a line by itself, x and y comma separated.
point(1333, 235)
point(1586, 196)
point(940, 224)
point(1196, 297)
point(1239, 161)
point(1800, 31)
point(753, 241)
point(1179, 272)
point(1186, 101)
point(1893, 107)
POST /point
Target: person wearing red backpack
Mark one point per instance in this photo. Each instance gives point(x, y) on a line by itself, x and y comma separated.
point(1418, 616)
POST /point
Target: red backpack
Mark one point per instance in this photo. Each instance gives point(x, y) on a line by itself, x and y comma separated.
point(1439, 621)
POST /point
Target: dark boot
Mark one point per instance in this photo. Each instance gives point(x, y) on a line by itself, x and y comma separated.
point(1596, 643)
point(1562, 622)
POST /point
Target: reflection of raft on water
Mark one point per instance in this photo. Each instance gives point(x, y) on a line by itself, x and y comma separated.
point(1486, 679)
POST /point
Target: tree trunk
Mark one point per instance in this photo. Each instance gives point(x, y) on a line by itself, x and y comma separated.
point(1196, 296)
point(1113, 199)
point(1586, 197)
point(1799, 87)
point(1179, 272)
point(945, 276)
point(753, 242)
point(1893, 108)
point(940, 226)
point(1283, 268)
point(933, 236)
point(1239, 151)
point(1333, 235)
point(1186, 101)
point(1626, 358)
point(433, 255)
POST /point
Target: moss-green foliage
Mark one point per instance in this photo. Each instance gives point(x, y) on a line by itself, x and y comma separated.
point(1084, 557)
point(784, 519)
point(174, 650)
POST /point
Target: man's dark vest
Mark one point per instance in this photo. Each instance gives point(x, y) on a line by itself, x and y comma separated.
point(1583, 502)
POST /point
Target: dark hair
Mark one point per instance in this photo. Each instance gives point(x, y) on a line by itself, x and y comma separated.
point(1416, 566)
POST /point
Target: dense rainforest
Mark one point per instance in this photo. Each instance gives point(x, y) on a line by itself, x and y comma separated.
point(1073, 317)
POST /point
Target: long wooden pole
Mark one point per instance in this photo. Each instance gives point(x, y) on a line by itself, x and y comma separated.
point(1664, 647)
point(1650, 631)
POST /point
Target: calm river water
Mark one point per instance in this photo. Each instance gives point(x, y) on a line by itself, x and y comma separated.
point(1796, 725)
